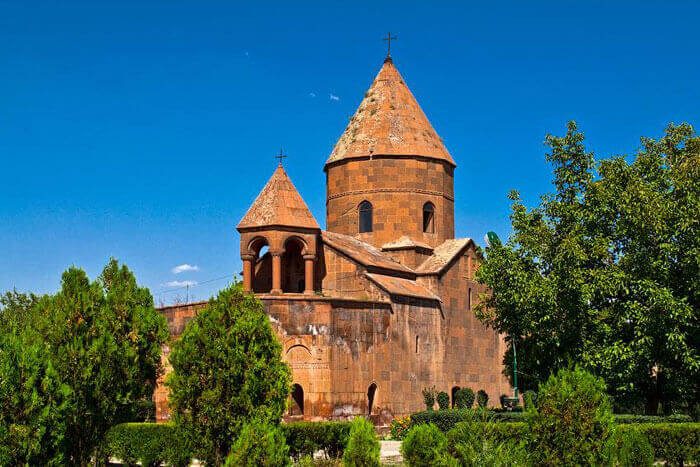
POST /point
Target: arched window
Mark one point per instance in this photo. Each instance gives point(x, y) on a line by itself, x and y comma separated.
point(371, 392)
point(297, 405)
point(429, 217)
point(365, 211)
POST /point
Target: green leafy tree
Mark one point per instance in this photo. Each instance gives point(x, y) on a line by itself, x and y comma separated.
point(89, 357)
point(605, 271)
point(573, 421)
point(227, 369)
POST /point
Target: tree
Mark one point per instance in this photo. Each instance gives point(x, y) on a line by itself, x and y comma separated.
point(88, 358)
point(605, 271)
point(227, 369)
point(573, 421)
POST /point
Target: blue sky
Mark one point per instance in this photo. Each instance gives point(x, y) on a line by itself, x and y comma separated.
point(143, 130)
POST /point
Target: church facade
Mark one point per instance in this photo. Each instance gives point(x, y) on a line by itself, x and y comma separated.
point(380, 304)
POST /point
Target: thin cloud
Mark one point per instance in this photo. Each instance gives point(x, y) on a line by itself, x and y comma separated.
point(184, 268)
point(333, 97)
point(247, 54)
point(312, 94)
point(180, 283)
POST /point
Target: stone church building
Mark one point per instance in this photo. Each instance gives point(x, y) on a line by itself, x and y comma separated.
point(378, 305)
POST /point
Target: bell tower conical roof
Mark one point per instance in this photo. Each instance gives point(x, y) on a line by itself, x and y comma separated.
point(278, 204)
point(389, 121)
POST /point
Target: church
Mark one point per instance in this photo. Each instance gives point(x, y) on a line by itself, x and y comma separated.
point(379, 305)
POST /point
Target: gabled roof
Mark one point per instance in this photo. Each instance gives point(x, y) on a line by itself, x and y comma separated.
point(405, 243)
point(443, 255)
point(404, 287)
point(362, 252)
point(279, 203)
point(389, 121)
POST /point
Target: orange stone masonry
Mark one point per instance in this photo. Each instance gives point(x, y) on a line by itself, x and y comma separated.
point(368, 319)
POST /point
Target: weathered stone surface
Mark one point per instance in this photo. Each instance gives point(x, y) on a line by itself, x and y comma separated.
point(367, 320)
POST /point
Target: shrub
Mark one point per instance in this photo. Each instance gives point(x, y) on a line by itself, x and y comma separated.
point(425, 445)
point(363, 447)
point(482, 398)
point(630, 448)
point(428, 397)
point(479, 441)
point(573, 420)
point(148, 443)
point(673, 442)
point(530, 398)
point(464, 399)
point(443, 400)
point(631, 418)
point(447, 419)
point(399, 427)
point(306, 438)
point(260, 443)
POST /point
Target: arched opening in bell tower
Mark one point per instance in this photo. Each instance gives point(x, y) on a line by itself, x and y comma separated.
point(293, 267)
point(262, 265)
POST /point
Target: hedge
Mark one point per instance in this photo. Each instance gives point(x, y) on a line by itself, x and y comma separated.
point(148, 443)
point(154, 443)
point(673, 442)
point(305, 438)
point(446, 419)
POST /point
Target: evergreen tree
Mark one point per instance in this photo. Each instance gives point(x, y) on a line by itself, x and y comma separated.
point(227, 370)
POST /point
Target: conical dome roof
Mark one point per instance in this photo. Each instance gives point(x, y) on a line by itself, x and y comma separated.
point(278, 204)
point(389, 121)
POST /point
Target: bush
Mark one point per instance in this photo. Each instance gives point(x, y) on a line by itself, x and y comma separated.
point(148, 443)
point(573, 420)
point(443, 400)
point(363, 447)
point(306, 438)
point(260, 443)
point(675, 443)
point(428, 397)
point(530, 398)
point(399, 427)
point(464, 399)
point(478, 441)
point(630, 448)
point(425, 445)
point(630, 418)
point(482, 398)
point(447, 419)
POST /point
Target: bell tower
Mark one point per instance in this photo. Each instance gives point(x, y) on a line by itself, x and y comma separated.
point(389, 175)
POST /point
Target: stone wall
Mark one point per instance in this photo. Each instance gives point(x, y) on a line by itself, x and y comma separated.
point(397, 188)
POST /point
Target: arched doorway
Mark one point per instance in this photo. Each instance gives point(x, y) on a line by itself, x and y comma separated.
point(262, 266)
point(371, 393)
point(454, 395)
point(293, 267)
point(296, 406)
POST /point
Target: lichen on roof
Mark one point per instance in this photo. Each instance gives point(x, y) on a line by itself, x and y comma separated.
point(443, 255)
point(389, 121)
point(279, 203)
